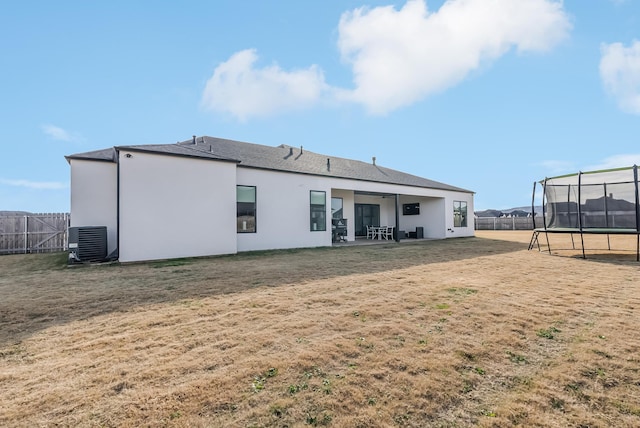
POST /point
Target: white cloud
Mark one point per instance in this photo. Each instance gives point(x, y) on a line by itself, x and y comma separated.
point(402, 56)
point(37, 185)
point(620, 73)
point(398, 57)
point(242, 90)
point(59, 134)
point(616, 161)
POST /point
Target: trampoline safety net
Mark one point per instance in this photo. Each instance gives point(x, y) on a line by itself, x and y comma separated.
point(592, 200)
point(595, 202)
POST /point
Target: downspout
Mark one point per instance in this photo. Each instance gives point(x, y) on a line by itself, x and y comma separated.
point(117, 250)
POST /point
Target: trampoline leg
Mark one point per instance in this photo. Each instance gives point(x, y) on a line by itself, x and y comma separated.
point(638, 247)
point(608, 242)
point(534, 240)
point(573, 245)
point(582, 242)
point(546, 235)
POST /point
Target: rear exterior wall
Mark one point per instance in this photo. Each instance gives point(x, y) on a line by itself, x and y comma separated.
point(283, 210)
point(94, 193)
point(172, 207)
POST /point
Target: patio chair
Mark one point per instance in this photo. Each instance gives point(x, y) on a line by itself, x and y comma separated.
point(387, 233)
point(370, 232)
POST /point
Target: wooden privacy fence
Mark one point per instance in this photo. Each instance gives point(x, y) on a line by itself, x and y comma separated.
point(506, 223)
point(33, 233)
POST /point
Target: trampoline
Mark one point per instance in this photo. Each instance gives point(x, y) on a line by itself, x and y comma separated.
point(601, 202)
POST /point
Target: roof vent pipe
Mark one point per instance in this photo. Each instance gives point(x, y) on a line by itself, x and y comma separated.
point(300, 149)
point(374, 160)
point(290, 151)
point(328, 164)
point(194, 140)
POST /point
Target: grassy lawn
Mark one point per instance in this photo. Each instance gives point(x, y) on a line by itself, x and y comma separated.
point(454, 333)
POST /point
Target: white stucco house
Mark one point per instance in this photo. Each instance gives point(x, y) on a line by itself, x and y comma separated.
point(210, 196)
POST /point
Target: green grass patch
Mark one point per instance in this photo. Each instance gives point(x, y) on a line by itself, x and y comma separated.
point(171, 263)
point(548, 333)
point(517, 358)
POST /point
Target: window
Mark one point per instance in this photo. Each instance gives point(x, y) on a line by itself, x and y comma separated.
point(246, 209)
point(336, 208)
point(459, 214)
point(318, 211)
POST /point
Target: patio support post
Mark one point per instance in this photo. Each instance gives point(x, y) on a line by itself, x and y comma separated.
point(397, 236)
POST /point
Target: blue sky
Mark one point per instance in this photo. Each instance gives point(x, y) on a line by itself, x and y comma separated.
point(487, 95)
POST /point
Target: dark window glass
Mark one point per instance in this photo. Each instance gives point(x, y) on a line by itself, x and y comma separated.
point(246, 209)
point(318, 211)
point(336, 208)
point(459, 214)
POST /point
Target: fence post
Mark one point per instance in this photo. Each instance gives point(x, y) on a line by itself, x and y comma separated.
point(513, 223)
point(26, 232)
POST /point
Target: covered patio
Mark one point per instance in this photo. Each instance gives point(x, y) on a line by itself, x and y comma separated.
point(377, 217)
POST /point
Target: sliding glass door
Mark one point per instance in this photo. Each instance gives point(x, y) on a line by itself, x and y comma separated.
point(366, 215)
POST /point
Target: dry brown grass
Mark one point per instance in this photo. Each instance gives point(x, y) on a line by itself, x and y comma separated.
point(466, 332)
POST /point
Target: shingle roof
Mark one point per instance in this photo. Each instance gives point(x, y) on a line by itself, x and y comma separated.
point(177, 150)
point(290, 159)
point(107, 155)
point(280, 158)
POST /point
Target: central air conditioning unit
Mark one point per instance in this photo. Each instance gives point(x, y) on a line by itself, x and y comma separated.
point(87, 244)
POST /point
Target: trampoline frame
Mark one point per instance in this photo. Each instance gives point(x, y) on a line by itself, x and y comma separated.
point(581, 230)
